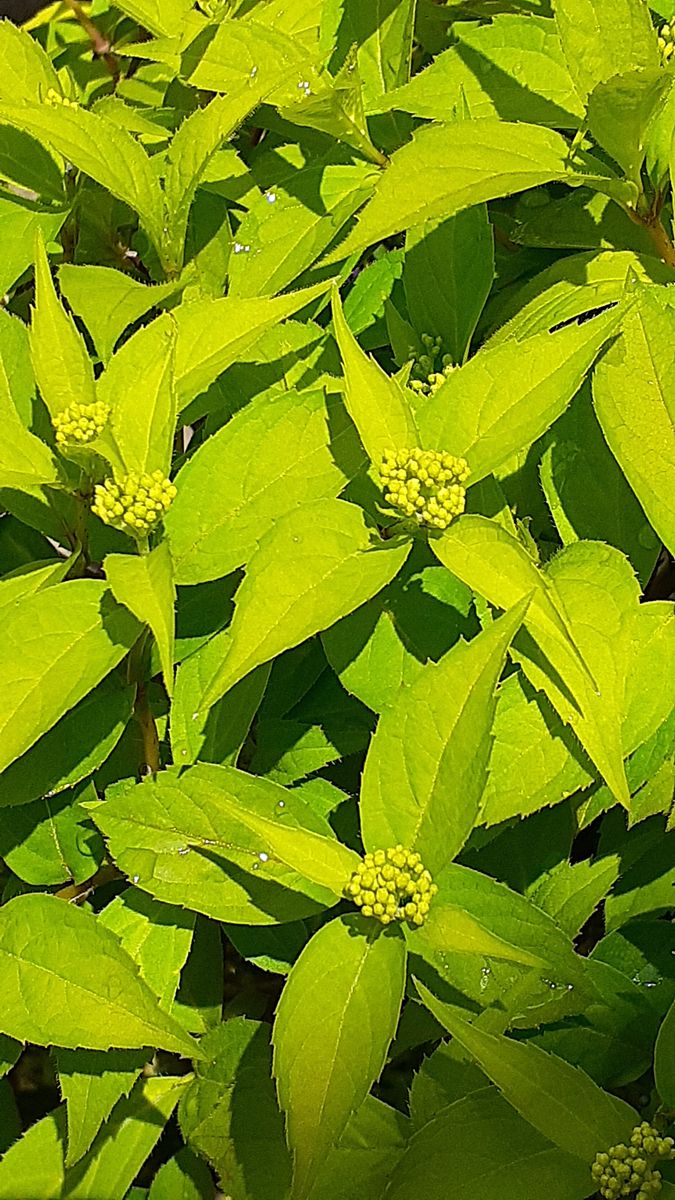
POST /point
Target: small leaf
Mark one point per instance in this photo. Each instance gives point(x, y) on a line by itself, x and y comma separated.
point(144, 584)
point(337, 1015)
point(139, 437)
point(562, 1102)
point(69, 983)
point(63, 369)
point(91, 1083)
point(427, 764)
point(376, 402)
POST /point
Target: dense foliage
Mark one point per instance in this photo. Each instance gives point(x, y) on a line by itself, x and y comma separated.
point(337, 738)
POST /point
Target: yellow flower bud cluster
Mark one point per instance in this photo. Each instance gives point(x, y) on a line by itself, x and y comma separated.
point(629, 1170)
point(428, 372)
point(54, 99)
point(425, 484)
point(136, 504)
point(80, 423)
point(392, 885)
point(666, 41)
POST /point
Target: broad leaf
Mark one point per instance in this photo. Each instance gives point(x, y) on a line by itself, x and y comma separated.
point(450, 167)
point(51, 840)
point(314, 566)
point(485, 1148)
point(25, 461)
point(426, 767)
point(58, 645)
point(21, 222)
point(506, 396)
point(108, 301)
point(156, 936)
point(69, 983)
point(620, 111)
point(238, 483)
point(602, 38)
point(227, 844)
point(165, 17)
point(144, 584)
point(337, 1015)
point(28, 72)
point(101, 150)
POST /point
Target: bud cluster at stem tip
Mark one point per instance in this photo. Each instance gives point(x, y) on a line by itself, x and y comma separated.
point(136, 504)
point(392, 885)
point(667, 41)
point(629, 1170)
point(54, 99)
point(80, 423)
point(425, 484)
point(431, 369)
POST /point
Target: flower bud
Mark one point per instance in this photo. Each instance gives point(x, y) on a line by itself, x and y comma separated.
point(425, 484)
point(129, 504)
point(392, 885)
point(79, 424)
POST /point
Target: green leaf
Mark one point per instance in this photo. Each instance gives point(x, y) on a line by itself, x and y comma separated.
point(230, 845)
point(486, 1149)
point(446, 168)
point(51, 841)
point(109, 301)
point(101, 150)
point(664, 1058)
point(426, 767)
point(558, 1099)
point(493, 562)
point(29, 166)
point(73, 748)
point(21, 222)
point(139, 437)
point(25, 461)
point(288, 227)
point(238, 483)
point(156, 936)
point(384, 40)
point(218, 734)
point(69, 983)
point(492, 407)
point(28, 73)
point(26, 582)
point(230, 1114)
point(447, 276)
point(634, 399)
point(376, 402)
point(587, 492)
point(35, 1162)
point(534, 759)
point(571, 892)
point(371, 1144)
point(91, 1083)
point(58, 645)
point(144, 584)
point(193, 145)
point(183, 1177)
point(159, 16)
point(63, 369)
point(314, 566)
point(213, 334)
point(125, 1142)
point(512, 68)
point(450, 929)
point(244, 56)
point(620, 111)
point(602, 38)
point(337, 1015)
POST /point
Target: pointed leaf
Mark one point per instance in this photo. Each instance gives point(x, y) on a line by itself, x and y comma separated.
point(25, 461)
point(634, 395)
point(27, 71)
point(506, 396)
point(337, 1015)
point(91, 1083)
point(602, 38)
point(63, 369)
point(314, 566)
point(68, 982)
point(144, 584)
point(139, 435)
point(237, 483)
point(376, 402)
point(427, 764)
point(562, 1102)
point(108, 301)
